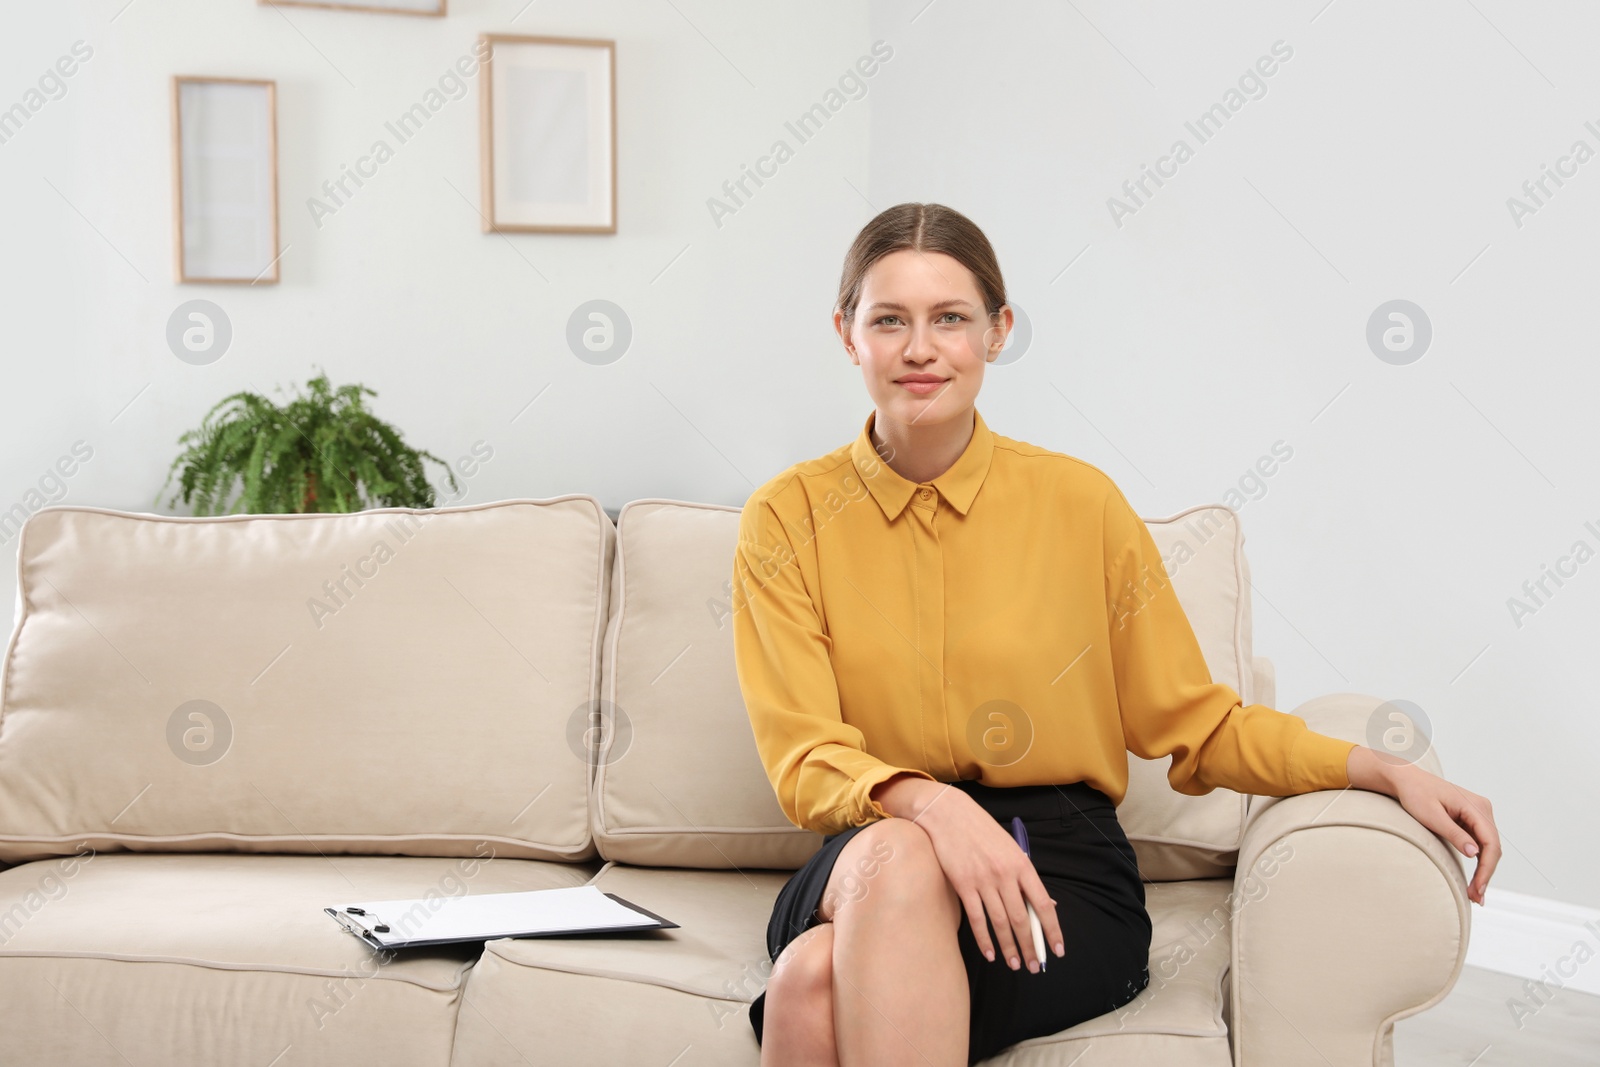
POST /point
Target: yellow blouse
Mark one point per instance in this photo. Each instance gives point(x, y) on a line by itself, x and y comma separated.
point(1010, 621)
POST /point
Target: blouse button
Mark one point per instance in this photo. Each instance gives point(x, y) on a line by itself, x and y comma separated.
point(926, 493)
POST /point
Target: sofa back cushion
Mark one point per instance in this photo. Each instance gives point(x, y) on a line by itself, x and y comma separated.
point(390, 681)
point(1175, 836)
point(679, 781)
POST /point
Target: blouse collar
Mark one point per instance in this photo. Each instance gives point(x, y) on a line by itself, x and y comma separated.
point(958, 485)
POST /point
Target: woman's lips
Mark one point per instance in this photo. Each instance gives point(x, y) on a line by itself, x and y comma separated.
point(921, 388)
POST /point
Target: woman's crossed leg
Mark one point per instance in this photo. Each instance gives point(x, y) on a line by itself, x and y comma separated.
point(880, 979)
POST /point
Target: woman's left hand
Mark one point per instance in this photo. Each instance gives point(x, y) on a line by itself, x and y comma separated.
point(1461, 817)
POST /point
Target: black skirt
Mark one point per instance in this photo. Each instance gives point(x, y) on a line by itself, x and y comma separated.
point(1084, 860)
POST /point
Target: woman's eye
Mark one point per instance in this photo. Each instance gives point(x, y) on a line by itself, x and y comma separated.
point(886, 318)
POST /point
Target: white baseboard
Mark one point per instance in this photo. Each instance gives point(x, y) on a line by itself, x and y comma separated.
point(1541, 940)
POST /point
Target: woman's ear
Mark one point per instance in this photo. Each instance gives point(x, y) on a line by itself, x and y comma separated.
point(994, 338)
point(843, 329)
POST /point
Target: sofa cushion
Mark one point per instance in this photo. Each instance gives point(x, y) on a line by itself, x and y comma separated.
point(390, 681)
point(679, 781)
point(1176, 836)
point(692, 987)
point(636, 998)
point(117, 958)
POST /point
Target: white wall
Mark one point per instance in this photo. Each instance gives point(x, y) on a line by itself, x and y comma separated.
point(457, 330)
point(1225, 315)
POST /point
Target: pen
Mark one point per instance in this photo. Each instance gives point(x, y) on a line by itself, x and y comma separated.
point(1021, 834)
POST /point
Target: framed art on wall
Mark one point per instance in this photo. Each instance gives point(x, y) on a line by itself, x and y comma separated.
point(548, 134)
point(225, 179)
point(387, 7)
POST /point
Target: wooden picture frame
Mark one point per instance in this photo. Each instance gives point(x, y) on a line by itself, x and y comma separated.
point(547, 126)
point(429, 8)
point(225, 179)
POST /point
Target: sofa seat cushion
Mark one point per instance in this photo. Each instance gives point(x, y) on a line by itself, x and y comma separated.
point(629, 998)
point(221, 958)
point(644, 998)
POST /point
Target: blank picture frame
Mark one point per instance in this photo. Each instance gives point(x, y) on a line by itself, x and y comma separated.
point(382, 7)
point(225, 179)
point(548, 134)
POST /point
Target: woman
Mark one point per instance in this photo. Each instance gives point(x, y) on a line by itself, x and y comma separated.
point(938, 629)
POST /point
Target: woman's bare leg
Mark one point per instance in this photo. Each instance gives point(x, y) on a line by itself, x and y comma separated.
point(899, 984)
point(797, 1025)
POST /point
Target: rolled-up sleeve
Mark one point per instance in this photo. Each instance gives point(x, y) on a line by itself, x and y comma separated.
point(1169, 704)
point(817, 763)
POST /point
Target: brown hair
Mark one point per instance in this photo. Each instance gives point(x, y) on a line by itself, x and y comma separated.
point(924, 228)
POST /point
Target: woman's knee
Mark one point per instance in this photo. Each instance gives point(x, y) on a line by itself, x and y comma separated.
point(803, 971)
point(890, 863)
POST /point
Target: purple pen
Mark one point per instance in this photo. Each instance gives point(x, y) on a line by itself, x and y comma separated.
point(1020, 832)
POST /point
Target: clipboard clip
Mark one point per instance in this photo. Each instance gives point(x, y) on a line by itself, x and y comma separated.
point(347, 918)
point(378, 924)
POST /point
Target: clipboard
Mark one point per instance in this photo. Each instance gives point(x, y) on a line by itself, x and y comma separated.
point(584, 909)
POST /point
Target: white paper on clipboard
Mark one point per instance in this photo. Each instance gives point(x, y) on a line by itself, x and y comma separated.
point(484, 916)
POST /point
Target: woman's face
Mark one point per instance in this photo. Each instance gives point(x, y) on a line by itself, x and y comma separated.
point(920, 315)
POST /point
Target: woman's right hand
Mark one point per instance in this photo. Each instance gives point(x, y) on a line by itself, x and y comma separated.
point(983, 863)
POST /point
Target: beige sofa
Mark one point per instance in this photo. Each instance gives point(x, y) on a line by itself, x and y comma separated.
point(212, 728)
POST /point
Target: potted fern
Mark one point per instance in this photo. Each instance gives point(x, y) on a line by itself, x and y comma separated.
point(322, 451)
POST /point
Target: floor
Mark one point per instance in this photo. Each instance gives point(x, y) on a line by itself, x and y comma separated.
point(1475, 1026)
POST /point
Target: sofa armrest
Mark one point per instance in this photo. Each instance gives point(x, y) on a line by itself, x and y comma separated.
point(1348, 914)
